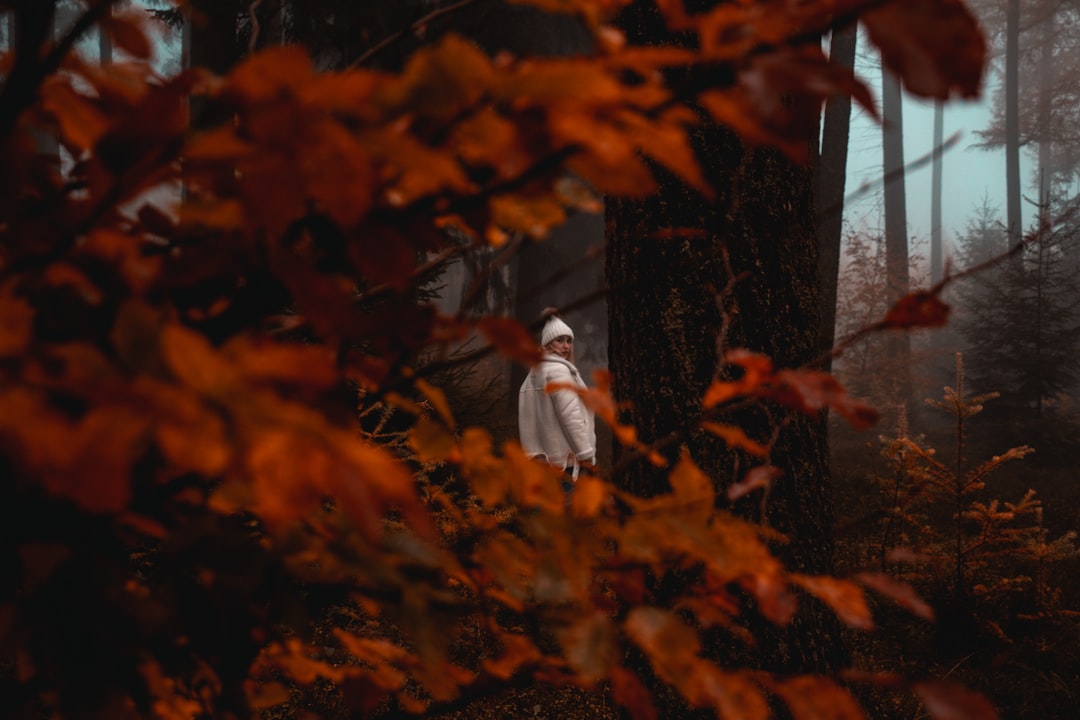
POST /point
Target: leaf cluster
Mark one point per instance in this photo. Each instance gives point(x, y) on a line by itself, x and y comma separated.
point(188, 490)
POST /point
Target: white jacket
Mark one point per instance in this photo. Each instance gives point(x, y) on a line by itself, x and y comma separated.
point(556, 427)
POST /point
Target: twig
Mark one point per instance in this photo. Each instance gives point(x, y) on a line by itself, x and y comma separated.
point(413, 26)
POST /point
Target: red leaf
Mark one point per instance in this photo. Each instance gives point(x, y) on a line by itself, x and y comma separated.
point(935, 46)
point(818, 698)
point(632, 695)
point(952, 701)
point(16, 318)
point(919, 309)
point(589, 645)
point(671, 646)
point(736, 438)
point(511, 339)
point(811, 391)
point(900, 593)
point(127, 33)
point(844, 597)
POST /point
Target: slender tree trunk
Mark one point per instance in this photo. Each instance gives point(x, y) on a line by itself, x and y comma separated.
point(936, 189)
point(831, 181)
point(665, 322)
point(1012, 121)
point(898, 345)
point(1047, 82)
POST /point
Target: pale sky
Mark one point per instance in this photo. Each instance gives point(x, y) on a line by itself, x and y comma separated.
point(968, 174)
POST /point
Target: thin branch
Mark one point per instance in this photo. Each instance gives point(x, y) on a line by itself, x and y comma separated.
point(413, 27)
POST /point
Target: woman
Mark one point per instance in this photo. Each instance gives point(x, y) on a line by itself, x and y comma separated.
point(556, 426)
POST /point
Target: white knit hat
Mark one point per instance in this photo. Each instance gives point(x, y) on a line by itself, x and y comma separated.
point(553, 328)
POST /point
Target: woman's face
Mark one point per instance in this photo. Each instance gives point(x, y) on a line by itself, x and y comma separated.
point(563, 346)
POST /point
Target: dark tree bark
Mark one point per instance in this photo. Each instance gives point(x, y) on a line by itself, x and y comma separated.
point(831, 181)
point(664, 332)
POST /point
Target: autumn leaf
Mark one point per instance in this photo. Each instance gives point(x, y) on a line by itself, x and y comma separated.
point(845, 598)
point(935, 46)
point(589, 495)
point(811, 391)
point(438, 82)
point(127, 32)
point(671, 646)
point(952, 701)
point(16, 317)
point(918, 309)
point(482, 469)
point(813, 697)
point(510, 339)
point(691, 487)
point(899, 592)
point(432, 441)
point(589, 646)
point(736, 438)
point(517, 650)
point(81, 121)
point(733, 695)
point(632, 695)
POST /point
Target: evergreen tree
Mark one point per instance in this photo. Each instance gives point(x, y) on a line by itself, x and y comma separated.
point(1018, 318)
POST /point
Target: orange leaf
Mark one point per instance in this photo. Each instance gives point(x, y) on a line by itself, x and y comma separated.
point(517, 651)
point(189, 434)
point(818, 698)
point(81, 121)
point(296, 364)
point(588, 496)
point(534, 216)
point(266, 75)
point(632, 695)
point(195, 362)
point(918, 309)
point(844, 597)
point(810, 391)
point(589, 646)
point(691, 486)
point(668, 143)
point(952, 701)
point(106, 443)
point(511, 339)
point(671, 646)
point(899, 592)
point(127, 32)
point(736, 438)
point(432, 441)
point(482, 469)
point(732, 695)
point(16, 318)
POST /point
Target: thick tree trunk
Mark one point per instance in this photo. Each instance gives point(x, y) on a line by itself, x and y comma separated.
point(665, 324)
point(831, 181)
